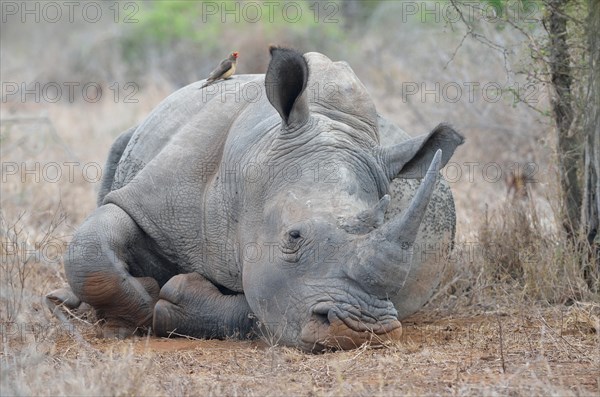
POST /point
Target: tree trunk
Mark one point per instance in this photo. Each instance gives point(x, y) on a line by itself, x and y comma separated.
point(569, 144)
point(591, 192)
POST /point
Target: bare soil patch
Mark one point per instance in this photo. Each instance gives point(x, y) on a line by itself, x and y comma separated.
point(538, 351)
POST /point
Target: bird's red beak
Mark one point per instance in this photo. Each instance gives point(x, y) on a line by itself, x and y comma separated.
point(235, 54)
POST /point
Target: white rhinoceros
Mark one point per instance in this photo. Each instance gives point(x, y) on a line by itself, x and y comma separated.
point(258, 206)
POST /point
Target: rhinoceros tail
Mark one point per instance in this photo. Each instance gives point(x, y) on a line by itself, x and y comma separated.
point(116, 151)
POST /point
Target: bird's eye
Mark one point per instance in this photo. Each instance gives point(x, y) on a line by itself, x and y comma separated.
point(295, 234)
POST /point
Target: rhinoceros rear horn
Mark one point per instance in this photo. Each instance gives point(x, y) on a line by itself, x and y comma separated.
point(367, 220)
point(285, 83)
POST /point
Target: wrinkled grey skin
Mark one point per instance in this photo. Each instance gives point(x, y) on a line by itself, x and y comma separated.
point(265, 213)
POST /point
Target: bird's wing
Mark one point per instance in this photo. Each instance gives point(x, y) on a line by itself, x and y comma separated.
point(223, 67)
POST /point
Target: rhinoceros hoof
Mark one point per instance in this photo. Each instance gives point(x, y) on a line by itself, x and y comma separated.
point(162, 323)
point(62, 296)
point(63, 300)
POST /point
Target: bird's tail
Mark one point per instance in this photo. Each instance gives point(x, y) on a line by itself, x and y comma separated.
point(206, 84)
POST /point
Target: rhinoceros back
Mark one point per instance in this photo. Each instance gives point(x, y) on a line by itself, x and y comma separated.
point(163, 178)
point(189, 121)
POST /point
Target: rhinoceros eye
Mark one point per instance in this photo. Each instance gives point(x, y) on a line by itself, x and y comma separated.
point(291, 244)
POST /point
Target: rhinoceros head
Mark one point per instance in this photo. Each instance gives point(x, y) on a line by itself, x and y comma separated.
point(331, 263)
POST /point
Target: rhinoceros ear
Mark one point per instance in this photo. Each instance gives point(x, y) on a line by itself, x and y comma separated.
point(285, 83)
point(410, 159)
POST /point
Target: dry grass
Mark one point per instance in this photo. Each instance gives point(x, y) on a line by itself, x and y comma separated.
point(512, 317)
point(543, 264)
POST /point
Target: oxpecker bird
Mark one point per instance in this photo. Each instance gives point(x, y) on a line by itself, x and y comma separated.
point(225, 70)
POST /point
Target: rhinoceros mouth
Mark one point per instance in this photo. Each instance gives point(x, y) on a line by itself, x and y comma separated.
point(342, 326)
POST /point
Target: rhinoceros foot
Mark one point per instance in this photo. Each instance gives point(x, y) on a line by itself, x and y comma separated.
point(62, 296)
point(191, 305)
point(333, 328)
point(64, 300)
point(120, 319)
point(130, 322)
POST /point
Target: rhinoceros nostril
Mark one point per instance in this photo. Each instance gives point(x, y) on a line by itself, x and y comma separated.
point(321, 318)
point(320, 313)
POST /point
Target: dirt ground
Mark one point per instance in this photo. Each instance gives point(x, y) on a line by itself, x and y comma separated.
point(524, 351)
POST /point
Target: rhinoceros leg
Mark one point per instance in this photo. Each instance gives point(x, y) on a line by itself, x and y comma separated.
point(191, 305)
point(98, 265)
point(118, 318)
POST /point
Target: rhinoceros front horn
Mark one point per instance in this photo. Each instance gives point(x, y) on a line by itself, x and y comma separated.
point(385, 254)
